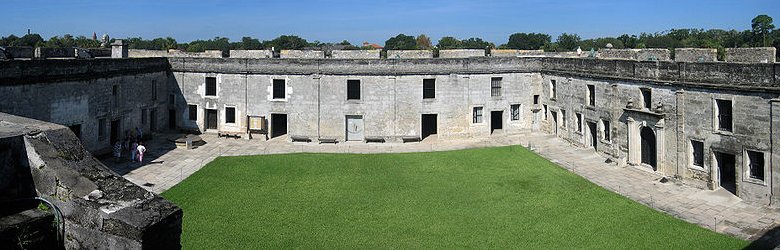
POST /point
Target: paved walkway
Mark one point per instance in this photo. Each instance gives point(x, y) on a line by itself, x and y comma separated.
point(165, 166)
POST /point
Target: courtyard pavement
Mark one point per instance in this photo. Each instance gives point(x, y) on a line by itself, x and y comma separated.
point(165, 166)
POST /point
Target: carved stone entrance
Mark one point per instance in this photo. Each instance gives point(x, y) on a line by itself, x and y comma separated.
point(645, 139)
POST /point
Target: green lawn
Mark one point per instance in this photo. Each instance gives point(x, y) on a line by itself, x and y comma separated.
point(478, 198)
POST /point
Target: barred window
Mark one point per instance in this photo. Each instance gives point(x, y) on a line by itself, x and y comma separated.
point(606, 130)
point(477, 115)
point(429, 88)
point(756, 161)
point(515, 110)
point(279, 89)
point(579, 122)
point(230, 115)
point(724, 115)
point(495, 86)
point(592, 95)
point(193, 112)
point(353, 89)
point(211, 86)
point(698, 153)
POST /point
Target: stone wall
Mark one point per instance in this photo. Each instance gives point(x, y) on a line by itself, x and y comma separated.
point(20, 52)
point(251, 53)
point(515, 53)
point(302, 54)
point(751, 55)
point(355, 54)
point(695, 55)
point(461, 53)
point(142, 53)
point(100, 208)
point(409, 54)
point(635, 54)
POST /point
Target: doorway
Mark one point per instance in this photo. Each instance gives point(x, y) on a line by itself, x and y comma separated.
point(354, 128)
point(648, 147)
point(115, 131)
point(496, 117)
point(592, 128)
point(278, 125)
point(428, 125)
point(76, 128)
point(171, 119)
point(153, 120)
point(211, 119)
point(727, 171)
point(554, 122)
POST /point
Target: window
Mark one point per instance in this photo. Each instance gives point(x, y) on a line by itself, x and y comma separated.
point(171, 100)
point(592, 95)
point(193, 110)
point(230, 115)
point(115, 90)
point(154, 90)
point(536, 99)
point(563, 118)
point(495, 86)
point(144, 117)
point(279, 89)
point(579, 122)
point(545, 111)
point(101, 129)
point(353, 89)
point(756, 163)
point(477, 115)
point(515, 109)
point(606, 135)
point(553, 89)
point(724, 115)
point(697, 151)
point(647, 98)
point(429, 88)
point(211, 86)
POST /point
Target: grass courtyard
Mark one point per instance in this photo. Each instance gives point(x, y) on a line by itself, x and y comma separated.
point(505, 197)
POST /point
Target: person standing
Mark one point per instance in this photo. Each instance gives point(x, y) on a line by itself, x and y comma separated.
point(133, 150)
point(141, 151)
point(117, 150)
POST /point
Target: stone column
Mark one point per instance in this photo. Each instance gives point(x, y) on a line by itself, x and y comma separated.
point(633, 142)
point(119, 49)
point(660, 148)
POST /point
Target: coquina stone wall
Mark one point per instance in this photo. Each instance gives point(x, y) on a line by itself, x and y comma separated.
point(355, 54)
point(409, 54)
point(751, 55)
point(695, 55)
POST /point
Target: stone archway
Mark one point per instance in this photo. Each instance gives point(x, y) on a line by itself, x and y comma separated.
point(648, 147)
point(646, 143)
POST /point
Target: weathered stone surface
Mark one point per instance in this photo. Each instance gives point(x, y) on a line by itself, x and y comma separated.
point(355, 54)
point(515, 53)
point(635, 54)
point(302, 54)
point(251, 53)
point(695, 55)
point(409, 54)
point(751, 55)
point(461, 53)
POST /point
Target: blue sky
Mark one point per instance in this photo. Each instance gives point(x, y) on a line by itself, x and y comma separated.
point(372, 20)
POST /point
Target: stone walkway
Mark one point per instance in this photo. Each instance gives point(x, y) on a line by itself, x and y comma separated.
point(165, 166)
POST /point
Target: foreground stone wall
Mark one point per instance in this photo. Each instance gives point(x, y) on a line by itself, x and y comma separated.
point(751, 55)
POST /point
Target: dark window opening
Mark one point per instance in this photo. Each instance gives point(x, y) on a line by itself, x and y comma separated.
point(536, 99)
point(647, 98)
point(353, 89)
point(698, 153)
point(76, 128)
point(756, 161)
point(101, 129)
point(477, 115)
point(606, 130)
point(563, 118)
point(592, 95)
point(429, 88)
point(193, 110)
point(211, 86)
point(279, 89)
point(144, 117)
point(553, 89)
point(154, 90)
point(230, 115)
point(115, 90)
point(515, 112)
point(171, 100)
point(545, 111)
point(495, 86)
point(724, 115)
point(579, 122)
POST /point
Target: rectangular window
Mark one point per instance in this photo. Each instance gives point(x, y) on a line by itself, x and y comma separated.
point(553, 89)
point(647, 98)
point(756, 162)
point(606, 130)
point(144, 117)
point(353, 89)
point(101, 129)
point(536, 99)
point(724, 115)
point(697, 149)
point(279, 89)
point(429, 88)
point(230, 115)
point(211, 86)
point(592, 95)
point(563, 118)
point(193, 110)
point(515, 109)
point(579, 122)
point(495, 86)
point(115, 90)
point(545, 111)
point(477, 115)
point(171, 100)
point(154, 90)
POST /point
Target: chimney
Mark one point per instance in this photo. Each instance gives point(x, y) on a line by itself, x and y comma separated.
point(119, 49)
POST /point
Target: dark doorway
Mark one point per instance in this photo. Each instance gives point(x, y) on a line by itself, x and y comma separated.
point(593, 138)
point(278, 125)
point(554, 122)
point(171, 119)
point(153, 120)
point(648, 147)
point(727, 171)
point(115, 131)
point(211, 119)
point(496, 118)
point(428, 125)
point(76, 128)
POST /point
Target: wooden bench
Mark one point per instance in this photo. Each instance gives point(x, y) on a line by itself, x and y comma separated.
point(378, 139)
point(327, 140)
point(406, 139)
point(226, 134)
point(299, 138)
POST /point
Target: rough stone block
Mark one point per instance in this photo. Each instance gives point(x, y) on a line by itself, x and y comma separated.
point(751, 55)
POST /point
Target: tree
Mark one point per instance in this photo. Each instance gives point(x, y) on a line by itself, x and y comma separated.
point(475, 43)
point(762, 26)
point(401, 42)
point(568, 42)
point(448, 42)
point(423, 42)
point(527, 40)
point(287, 42)
point(250, 43)
point(31, 40)
point(629, 41)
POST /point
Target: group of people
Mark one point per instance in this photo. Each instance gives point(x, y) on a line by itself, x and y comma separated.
point(132, 144)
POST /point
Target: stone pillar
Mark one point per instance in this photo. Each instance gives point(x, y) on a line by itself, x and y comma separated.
point(119, 49)
point(39, 53)
point(680, 134)
point(634, 152)
point(660, 148)
point(774, 161)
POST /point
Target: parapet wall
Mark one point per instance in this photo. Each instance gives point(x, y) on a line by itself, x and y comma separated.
point(695, 55)
point(515, 52)
point(751, 55)
point(302, 54)
point(142, 53)
point(461, 53)
point(265, 53)
point(355, 54)
point(27, 71)
point(409, 54)
point(635, 54)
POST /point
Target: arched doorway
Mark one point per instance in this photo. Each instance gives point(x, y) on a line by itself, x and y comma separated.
point(648, 146)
